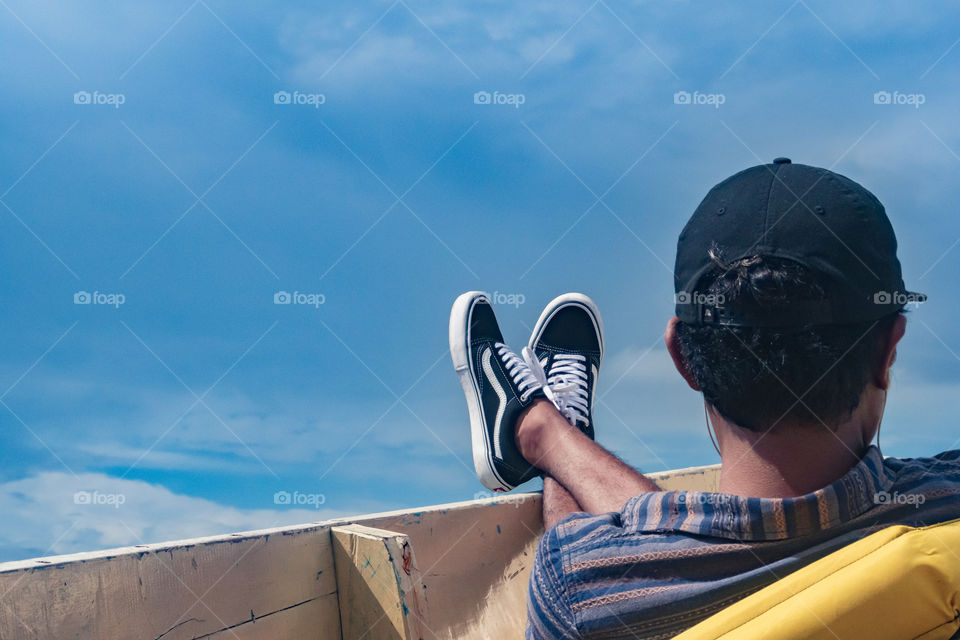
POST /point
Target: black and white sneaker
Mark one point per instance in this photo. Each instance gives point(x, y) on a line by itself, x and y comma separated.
point(499, 386)
point(568, 344)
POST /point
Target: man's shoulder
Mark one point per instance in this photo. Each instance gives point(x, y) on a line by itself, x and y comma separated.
point(581, 539)
point(926, 483)
point(946, 459)
point(942, 468)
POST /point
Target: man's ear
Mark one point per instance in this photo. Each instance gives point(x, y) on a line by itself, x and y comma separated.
point(882, 377)
point(673, 346)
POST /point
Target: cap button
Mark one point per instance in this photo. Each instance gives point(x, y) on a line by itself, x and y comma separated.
point(781, 161)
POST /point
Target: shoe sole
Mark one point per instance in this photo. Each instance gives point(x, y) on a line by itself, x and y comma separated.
point(462, 356)
point(558, 303)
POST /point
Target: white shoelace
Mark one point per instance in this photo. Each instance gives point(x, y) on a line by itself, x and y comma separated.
point(526, 380)
point(567, 385)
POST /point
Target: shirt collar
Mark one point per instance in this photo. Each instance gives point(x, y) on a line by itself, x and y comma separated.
point(734, 517)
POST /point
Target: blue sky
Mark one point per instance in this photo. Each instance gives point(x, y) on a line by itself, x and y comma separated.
point(200, 196)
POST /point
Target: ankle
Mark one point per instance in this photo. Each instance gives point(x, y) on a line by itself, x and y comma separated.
point(530, 427)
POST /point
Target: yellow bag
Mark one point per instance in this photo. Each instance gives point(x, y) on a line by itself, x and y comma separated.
point(899, 583)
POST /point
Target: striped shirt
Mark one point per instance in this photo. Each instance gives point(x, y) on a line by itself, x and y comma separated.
point(670, 559)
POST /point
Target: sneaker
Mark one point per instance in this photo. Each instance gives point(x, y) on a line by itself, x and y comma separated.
point(568, 344)
point(499, 386)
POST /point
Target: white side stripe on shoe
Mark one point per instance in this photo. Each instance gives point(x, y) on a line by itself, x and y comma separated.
point(498, 388)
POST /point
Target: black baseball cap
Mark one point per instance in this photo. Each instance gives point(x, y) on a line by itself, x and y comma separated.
point(812, 216)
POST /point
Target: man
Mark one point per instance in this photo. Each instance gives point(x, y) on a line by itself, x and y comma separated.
point(789, 307)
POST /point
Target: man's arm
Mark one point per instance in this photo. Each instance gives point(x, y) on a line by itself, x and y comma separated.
point(597, 480)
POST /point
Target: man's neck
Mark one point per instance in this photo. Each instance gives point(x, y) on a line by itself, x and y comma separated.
point(789, 461)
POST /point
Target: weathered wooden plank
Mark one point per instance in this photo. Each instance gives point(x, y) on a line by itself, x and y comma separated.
point(179, 592)
point(502, 612)
point(379, 585)
point(295, 621)
point(468, 553)
point(705, 478)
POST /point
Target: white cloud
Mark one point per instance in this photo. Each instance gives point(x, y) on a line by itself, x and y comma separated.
point(137, 423)
point(505, 37)
point(117, 453)
point(45, 515)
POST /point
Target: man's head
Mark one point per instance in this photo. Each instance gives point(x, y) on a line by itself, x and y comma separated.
point(789, 300)
point(761, 377)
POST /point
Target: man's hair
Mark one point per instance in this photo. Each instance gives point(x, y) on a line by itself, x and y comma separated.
point(753, 376)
